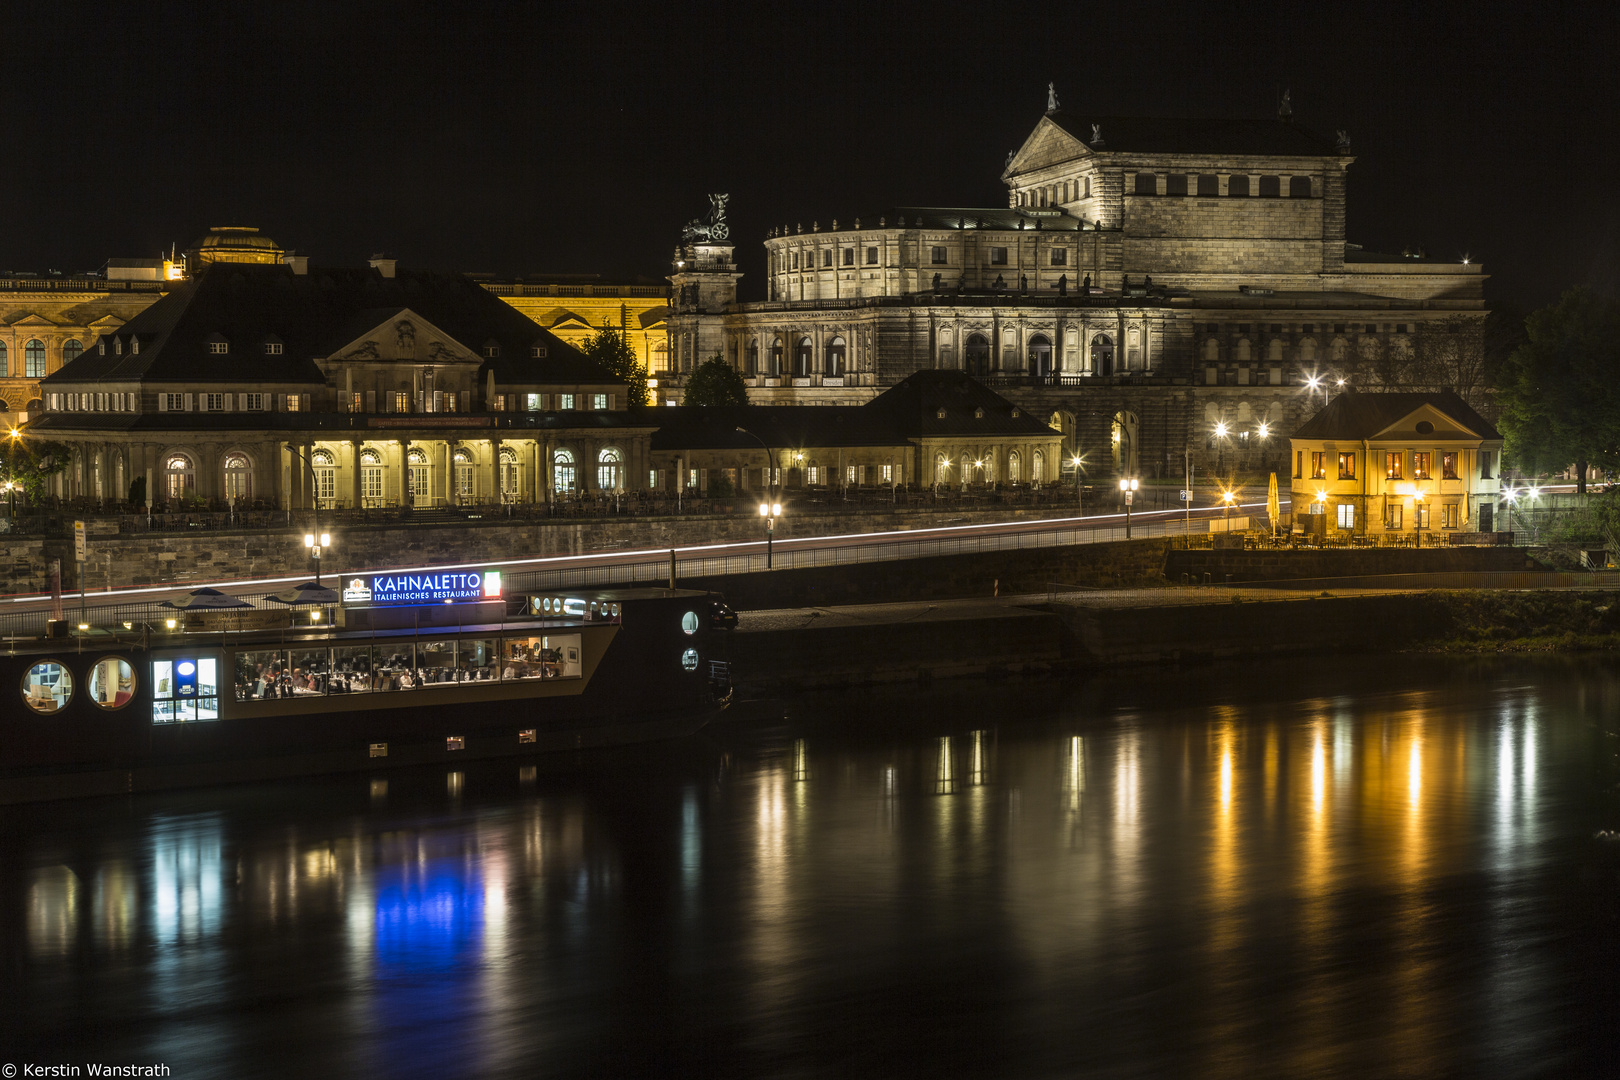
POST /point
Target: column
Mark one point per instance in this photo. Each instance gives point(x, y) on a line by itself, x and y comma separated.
point(404, 472)
point(356, 500)
point(449, 485)
point(495, 493)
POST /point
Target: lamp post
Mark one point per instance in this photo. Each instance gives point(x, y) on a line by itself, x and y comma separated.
point(770, 511)
point(1227, 498)
point(1128, 486)
point(1077, 461)
point(317, 543)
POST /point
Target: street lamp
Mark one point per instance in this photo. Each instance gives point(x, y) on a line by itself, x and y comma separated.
point(770, 512)
point(1077, 461)
point(1228, 496)
point(1128, 487)
point(317, 544)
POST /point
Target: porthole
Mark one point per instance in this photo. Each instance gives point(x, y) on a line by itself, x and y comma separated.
point(689, 622)
point(1425, 428)
point(112, 683)
point(48, 687)
point(689, 659)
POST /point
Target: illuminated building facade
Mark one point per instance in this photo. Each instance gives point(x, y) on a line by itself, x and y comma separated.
point(1393, 464)
point(1148, 280)
point(575, 306)
point(274, 383)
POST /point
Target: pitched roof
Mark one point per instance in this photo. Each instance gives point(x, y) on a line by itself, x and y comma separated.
point(1186, 135)
point(913, 408)
point(909, 410)
point(1361, 415)
point(314, 315)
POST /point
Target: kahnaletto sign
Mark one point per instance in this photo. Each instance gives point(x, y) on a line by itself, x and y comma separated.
point(406, 590)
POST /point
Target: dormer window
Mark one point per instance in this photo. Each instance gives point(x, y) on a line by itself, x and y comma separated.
point(978, 414)
point(272, 348)
point(101, 347)
point(537, 351)
point(492, 350)
point(1016, 414)
point(940, 414)
point(118, 346)
point(134, 346)
point(219, 348)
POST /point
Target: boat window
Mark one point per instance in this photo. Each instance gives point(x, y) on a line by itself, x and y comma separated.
point(478, 660)
point(112, 683)
point(689, 622)
point(435, 663)
point(185, 688)
point(552, 656)
point(47, 687)
point(351, 670)
point(689, 659)
point(311, 668)
point(262, 674)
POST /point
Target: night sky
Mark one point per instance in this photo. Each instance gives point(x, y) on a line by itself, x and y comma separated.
point(552, 137)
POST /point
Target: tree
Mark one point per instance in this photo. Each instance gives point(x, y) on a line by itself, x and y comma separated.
point(31, 462)
point(715, 382)
point(1558, 390)
point(611, 349)
point(1446, 354)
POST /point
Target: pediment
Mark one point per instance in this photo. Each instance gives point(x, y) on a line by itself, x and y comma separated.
point(32, 319)
point(106, 324)
point(1046, 146)
point(568, 320)
point(1445, 428)
point(405, 336)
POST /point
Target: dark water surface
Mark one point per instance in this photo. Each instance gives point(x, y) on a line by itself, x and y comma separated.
point(1362, 867)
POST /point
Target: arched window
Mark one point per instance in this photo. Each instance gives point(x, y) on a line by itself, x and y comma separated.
point(562, 472)
point(753, 357)
point(1339, 350)
point(660, 356)
point(371, 477)
point(1040, 355)
point(776, 359)
point(1274, 350)
point(421, 477)
point(34, 359)
point(1212, 350)
point(464, 476)
point(942, 469)
point(5, 406)
point(835, 358)
point(965, 470)
point(1015, 462)
point(510, 486)
point(71, 348)
point(1299, 187)
point(977, 354)
point(1037, 468)
point(1102, 354)
point(1241, 351)
point(1270, 187)
point(180, 477)
point(1307, 351)
point(609, 469)
point(324, 466)
point(5, 369)
point(802, 358)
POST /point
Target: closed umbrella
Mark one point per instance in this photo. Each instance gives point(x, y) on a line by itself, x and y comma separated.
point(305, 592)
point(1273, 504)
point(205, 599)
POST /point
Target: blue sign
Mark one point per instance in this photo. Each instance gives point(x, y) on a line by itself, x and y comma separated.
point(185, 678)
point(446, 587)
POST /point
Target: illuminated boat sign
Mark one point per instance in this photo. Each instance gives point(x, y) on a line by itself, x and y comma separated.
point(405, 590)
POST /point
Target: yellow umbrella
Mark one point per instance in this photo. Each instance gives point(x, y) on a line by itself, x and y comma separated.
point(1273, 504)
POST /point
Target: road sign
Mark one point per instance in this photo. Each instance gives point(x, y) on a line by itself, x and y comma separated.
point(78, 541)
point(1186, 496)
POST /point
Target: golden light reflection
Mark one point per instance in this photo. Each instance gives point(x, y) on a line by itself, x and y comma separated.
point(944, 773)
point(801, 763)
point(978, 772)
point(53, 911)
point(1414, 771)
point(1074, 776)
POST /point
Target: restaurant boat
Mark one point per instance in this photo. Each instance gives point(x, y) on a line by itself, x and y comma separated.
point(416, 670)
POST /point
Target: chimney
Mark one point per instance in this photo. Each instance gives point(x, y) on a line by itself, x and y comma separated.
point(383, 265)
point(299, 263)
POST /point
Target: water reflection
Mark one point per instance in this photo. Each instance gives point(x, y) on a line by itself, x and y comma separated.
point(1356, 883)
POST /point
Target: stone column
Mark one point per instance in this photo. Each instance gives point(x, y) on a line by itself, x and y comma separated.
point(495, 493)
point(356, 499)
point(404, 472)
point(449, 486)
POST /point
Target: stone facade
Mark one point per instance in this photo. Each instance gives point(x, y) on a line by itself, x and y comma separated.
point(1148, 281)
point(47, 321)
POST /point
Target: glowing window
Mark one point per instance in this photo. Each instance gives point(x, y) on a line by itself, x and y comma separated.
point(48, 687)
point(112, 683)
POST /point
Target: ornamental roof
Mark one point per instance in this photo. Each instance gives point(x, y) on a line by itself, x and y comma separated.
point(1357, 415)
point(314, 316)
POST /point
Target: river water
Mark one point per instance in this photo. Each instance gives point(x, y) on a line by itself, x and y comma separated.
point(1357, 867)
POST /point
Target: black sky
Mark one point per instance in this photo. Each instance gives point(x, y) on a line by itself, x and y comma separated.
point(561, 137)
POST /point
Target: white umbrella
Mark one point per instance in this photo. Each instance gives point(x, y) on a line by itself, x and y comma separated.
point(205, 599)
point(305, 592)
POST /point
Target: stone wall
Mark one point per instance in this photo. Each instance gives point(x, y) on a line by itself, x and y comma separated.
point(117, 560)
point(1340, 562)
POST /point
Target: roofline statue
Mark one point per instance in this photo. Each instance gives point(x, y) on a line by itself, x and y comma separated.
point(1051, 98)
point(715, 228)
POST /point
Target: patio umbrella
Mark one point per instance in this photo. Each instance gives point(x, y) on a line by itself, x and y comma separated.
point(1273, 504)
point(305, 592)
point(205, 599)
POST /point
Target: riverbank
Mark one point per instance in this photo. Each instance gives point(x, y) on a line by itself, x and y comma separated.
point(789, 650)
